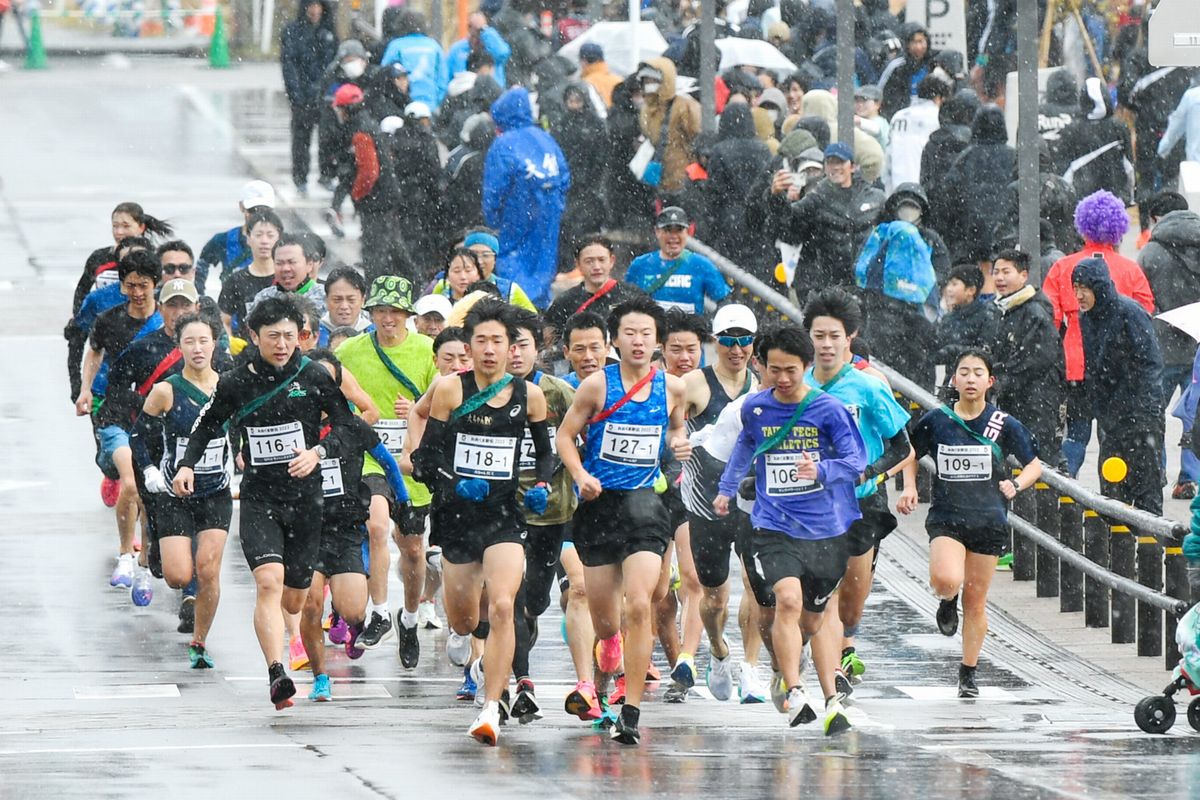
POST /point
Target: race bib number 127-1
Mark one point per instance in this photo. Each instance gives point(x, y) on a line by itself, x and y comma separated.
point(631, 445)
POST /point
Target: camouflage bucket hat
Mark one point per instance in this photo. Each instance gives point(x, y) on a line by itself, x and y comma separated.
point(390, 290)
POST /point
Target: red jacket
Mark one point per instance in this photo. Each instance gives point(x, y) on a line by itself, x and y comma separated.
point(1127, 276)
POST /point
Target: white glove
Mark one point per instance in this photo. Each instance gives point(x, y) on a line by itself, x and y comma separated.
point(153, 478)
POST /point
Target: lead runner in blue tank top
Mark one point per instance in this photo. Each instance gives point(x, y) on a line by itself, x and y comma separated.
point(628, 413)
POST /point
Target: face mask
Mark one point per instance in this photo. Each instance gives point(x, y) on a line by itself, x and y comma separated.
point(773, 115)
point(639, 101)
point(907, 213)
point(354, 69)
point(650, 87)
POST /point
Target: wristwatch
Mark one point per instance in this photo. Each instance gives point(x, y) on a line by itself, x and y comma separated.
point(320, 451)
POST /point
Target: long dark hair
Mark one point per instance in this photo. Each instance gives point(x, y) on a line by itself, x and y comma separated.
point(154, 226)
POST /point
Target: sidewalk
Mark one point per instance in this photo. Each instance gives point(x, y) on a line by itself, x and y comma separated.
point(70, 38)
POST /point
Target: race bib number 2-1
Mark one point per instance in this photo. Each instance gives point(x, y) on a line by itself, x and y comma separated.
point(391, 433)
point(274, 444)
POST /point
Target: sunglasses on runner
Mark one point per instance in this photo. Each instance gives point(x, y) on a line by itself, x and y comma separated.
point(177, 269)
point(732, 341)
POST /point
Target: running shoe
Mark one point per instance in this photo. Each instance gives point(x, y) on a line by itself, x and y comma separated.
point(652, 673)
point(841, 684)
point(719, 677)
point(836, 720)
point(525, 708)
point(427, 617)
point(676, 579)
point(476, 670)
point(582, 702)
point(947, 616)
point(458, 648)
point(141, 592)
point(321, 692)
point(353, 634)
point(297, 655)
point(609, 654)
point(676, 693)
point(799, 709)
point(339, 631)
point(377, 631)
point(330, 618)
point(750, 689)
point(486, 727)
point(1184, 490)
point(608, 716)
point(852, 665)
point(779, 691)
point(1004, 563)
point(469, 687)
point(625, 728)
point(199, 657)
point(282, 688)
point(618, 693)
point(408, 646)
point(966, 681)
point(187, 615)
point(110, 490)
point(122, 574)
point(684, 672)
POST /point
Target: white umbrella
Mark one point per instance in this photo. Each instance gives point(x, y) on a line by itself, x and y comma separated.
point(737, 52)
point(1186, 318)
point(617, 40)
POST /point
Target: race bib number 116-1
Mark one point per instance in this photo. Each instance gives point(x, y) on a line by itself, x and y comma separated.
point(274, 444)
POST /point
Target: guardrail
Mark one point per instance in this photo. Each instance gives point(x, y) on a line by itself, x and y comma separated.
point(1123, 567)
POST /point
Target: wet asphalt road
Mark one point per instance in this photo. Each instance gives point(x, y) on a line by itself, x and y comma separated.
point(98, 699)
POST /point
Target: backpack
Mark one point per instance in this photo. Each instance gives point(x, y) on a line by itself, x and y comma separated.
point(897, 262)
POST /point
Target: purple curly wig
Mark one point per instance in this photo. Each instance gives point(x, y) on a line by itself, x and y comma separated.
point(1100, 218)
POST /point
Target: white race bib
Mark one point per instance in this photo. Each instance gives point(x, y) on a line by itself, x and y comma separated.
point(667, 305)
point(631, 445)
point(964, 462)
point(488, 457)
point(782, 478)
point(528, 455)
point(392, 432)
point(331, 477)
point(211, 462)
point(274, 444)
point(107, 278)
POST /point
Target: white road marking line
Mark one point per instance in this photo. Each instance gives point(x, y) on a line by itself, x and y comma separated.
point(127, 692)
point(12, 486)
point(153, 748)
point(951, 693)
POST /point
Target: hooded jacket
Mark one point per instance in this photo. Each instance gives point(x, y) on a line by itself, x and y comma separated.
point(491, 41)
point(939, 253)
point(1124, 362)
point(1094, 152)
point(899, 80)
point(581, 135)
point(682, 128)
point(974, 185)
point(737, 157)
point(464, 173)
point(422, 56)
point(304, 52)
point(830, 223)
point(1171, 261)
point(1061, 106)
point(602, 79)
point(525, 182)
point(868, 154)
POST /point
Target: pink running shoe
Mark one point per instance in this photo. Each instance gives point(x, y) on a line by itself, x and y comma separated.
point(609, 658)
point(339, 631)
point(110, 490)
point(352, 650)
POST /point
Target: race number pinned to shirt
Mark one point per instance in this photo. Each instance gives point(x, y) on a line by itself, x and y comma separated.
point(392, 432)
point(964, 462)
point(631, 445)
point(107, 278)
point(331, 477)
point(274, 444)
point(528, 460)
point(783, 478)
point(487, 457)
point(211, 462)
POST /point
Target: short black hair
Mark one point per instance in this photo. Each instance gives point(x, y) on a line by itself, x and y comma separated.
point(583, 321)
point(348, 274)
point(451, 334)
point(981, 353)
point(1019, 258)
point(129, 243)
point(860, 347)
point(485, 286)
point(275, 309)
point(791, 340)
point(308, 309)
point(188, 319)
point(932, 86)
point(344, 331)
point(490, 309)
point(1164, 203)
point(140, 262)
point(525, 319)
point(314, 244)
point(638, 305)
point(305, 243)
point(266, 215)
point(970, 275)
point(591, 239)
point(174, 246)
point(479, 58)
point(680, 321)
point(836, 303)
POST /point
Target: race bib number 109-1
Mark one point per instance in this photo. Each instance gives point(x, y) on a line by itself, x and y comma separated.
point(964, 462)
point(274, 444)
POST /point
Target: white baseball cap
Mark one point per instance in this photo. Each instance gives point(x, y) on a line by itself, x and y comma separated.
point(258, 194)
point(734, 316)
point(391, 124)
point(418, 110)
point(433, 303)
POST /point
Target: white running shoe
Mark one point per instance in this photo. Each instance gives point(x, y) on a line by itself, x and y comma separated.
point(477, 676)
point(427, 617)
point(458, 648)
point(122, 574)
point(799, 709)
point(720, 677)
point(486, 728)
point(836, 720)
point(750, 688)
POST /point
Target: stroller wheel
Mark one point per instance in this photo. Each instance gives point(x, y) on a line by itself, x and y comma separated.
point(1156, 714)
point(1193, 714)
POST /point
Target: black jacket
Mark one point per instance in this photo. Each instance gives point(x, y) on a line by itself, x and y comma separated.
point(830, 224)
point(1171, 261)
point(896, 82)
point(1103, 141)
point(972, 325)
point(463, 176)
point(305, 51)
point(581, 136)
point(973, 186)
point(1026, 355)
point(1061, 106)
point(628, 198)
point(736, 159)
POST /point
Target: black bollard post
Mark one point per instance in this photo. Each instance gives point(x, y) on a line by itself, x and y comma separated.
point(1070, 580)
point(1149, 617)
point(1095, 549)
point(1123, 557)
point(1176, 586)
point(1047, 520)
point(1024, 552)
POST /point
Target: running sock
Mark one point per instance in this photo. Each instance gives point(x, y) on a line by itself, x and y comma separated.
point(850, 631)
point(379, 608)
point(482, 630)
point(408, 618)
point(193, 588)
point(275, 671)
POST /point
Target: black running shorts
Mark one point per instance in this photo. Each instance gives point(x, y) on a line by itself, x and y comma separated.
point(342, 550)
point(284, 532)
point(711, 541)
point(618, 524)
point(876, 523)
point(409, 519)
point(187, 516)
point(463, 534)
point(984, 541)
point(819, 564)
